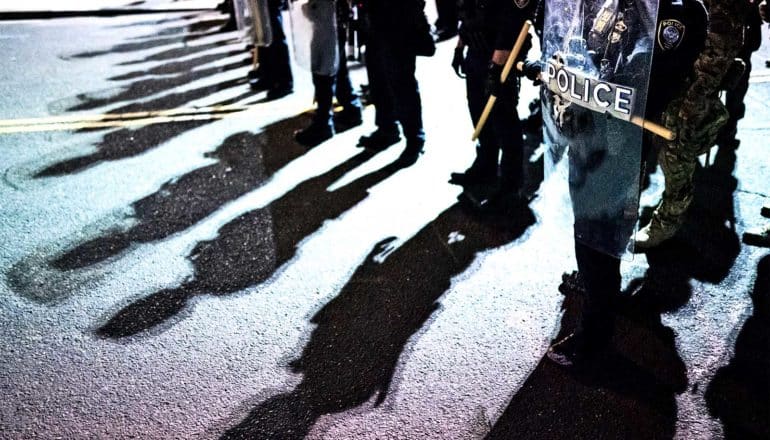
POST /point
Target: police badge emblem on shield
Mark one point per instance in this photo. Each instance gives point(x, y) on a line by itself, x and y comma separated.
point(670, 34)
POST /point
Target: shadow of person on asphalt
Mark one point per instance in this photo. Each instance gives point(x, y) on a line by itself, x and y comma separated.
point(168, 36)
point(631, 392)
point(177, 67)
point(739, 394)
point(157, 22)
point(250, 248)
point(244, 162)
point(153, 85)
point(628, 393)
point(359, 336)
point(129, 142)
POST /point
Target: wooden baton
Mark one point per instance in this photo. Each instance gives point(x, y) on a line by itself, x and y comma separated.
point(503, 76)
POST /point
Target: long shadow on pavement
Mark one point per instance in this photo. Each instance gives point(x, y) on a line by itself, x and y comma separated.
point(628, 394)
point(739, 394)
point(353, 352)
point(631, 392)
point(250, 248)
point(151, 86)
point(157, 40)
point(125, 142)
point(244, 162)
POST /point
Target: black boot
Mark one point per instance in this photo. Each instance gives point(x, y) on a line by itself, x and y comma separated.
point(380, 139)
point(483, 171)
point(348, 118)
point(317, 132)
point(412, 152)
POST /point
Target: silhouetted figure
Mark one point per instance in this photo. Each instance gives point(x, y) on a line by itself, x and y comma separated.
point(739, 394)
point(244, 162)
point(250, 248)
point(360, 335)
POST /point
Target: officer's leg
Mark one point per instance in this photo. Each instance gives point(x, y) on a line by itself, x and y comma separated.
point(377, 59)
point(601, 279)
point(678, 169)
point(346, 97)
point(483, 170)
point(406, 95)
point(446, 24)
point(280, 78)
point(678, 161)
point(508, 135)
point(321, 128)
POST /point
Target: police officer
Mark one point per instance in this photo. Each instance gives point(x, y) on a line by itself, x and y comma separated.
point(599, 182)
point(396, 32)
point(488, 31)
point(696, 116)
point(327, 86)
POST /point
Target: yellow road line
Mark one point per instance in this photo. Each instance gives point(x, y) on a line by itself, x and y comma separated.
point(79, 125)
point(122, 116)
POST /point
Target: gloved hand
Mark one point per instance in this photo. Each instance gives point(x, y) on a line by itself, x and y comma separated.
point(494, 87)
point(531, 70)
point(457, 61)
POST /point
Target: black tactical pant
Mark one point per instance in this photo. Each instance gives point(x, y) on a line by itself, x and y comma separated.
point(393, 86)
point(275, 58)
point(447, 15)
point(502, 133)
point(601, 278)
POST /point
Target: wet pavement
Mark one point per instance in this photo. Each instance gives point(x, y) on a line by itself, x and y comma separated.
point(211, 278)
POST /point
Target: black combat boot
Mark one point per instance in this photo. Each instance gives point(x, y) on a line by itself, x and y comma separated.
point(380, 139)
point(412, 152)
point(349, 117)
point(317, 132)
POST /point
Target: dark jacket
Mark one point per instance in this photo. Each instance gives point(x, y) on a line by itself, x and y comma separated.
point(488, 25)
point(680, 37)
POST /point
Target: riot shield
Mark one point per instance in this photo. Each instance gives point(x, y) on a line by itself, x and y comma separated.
point(314, 33)
point(253, 21)
point(596, 61)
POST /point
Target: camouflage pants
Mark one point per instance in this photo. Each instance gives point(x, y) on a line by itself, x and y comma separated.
point(679, 158)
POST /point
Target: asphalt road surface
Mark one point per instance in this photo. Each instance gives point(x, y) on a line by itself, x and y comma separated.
point(206, 277)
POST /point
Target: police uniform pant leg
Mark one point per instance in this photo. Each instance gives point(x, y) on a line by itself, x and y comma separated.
point(279, 62)
point(487, 150)
point(324, 91)
point(508, 135)
point(678, 169)
point(601, 277)
point(406, 95)
point(379, 86)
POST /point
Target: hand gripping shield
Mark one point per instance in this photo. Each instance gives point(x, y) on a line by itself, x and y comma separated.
point(314, 33)
point(596, 61)
point(253, 21)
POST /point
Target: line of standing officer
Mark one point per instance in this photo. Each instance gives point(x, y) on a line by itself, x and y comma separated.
point(488, 31)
